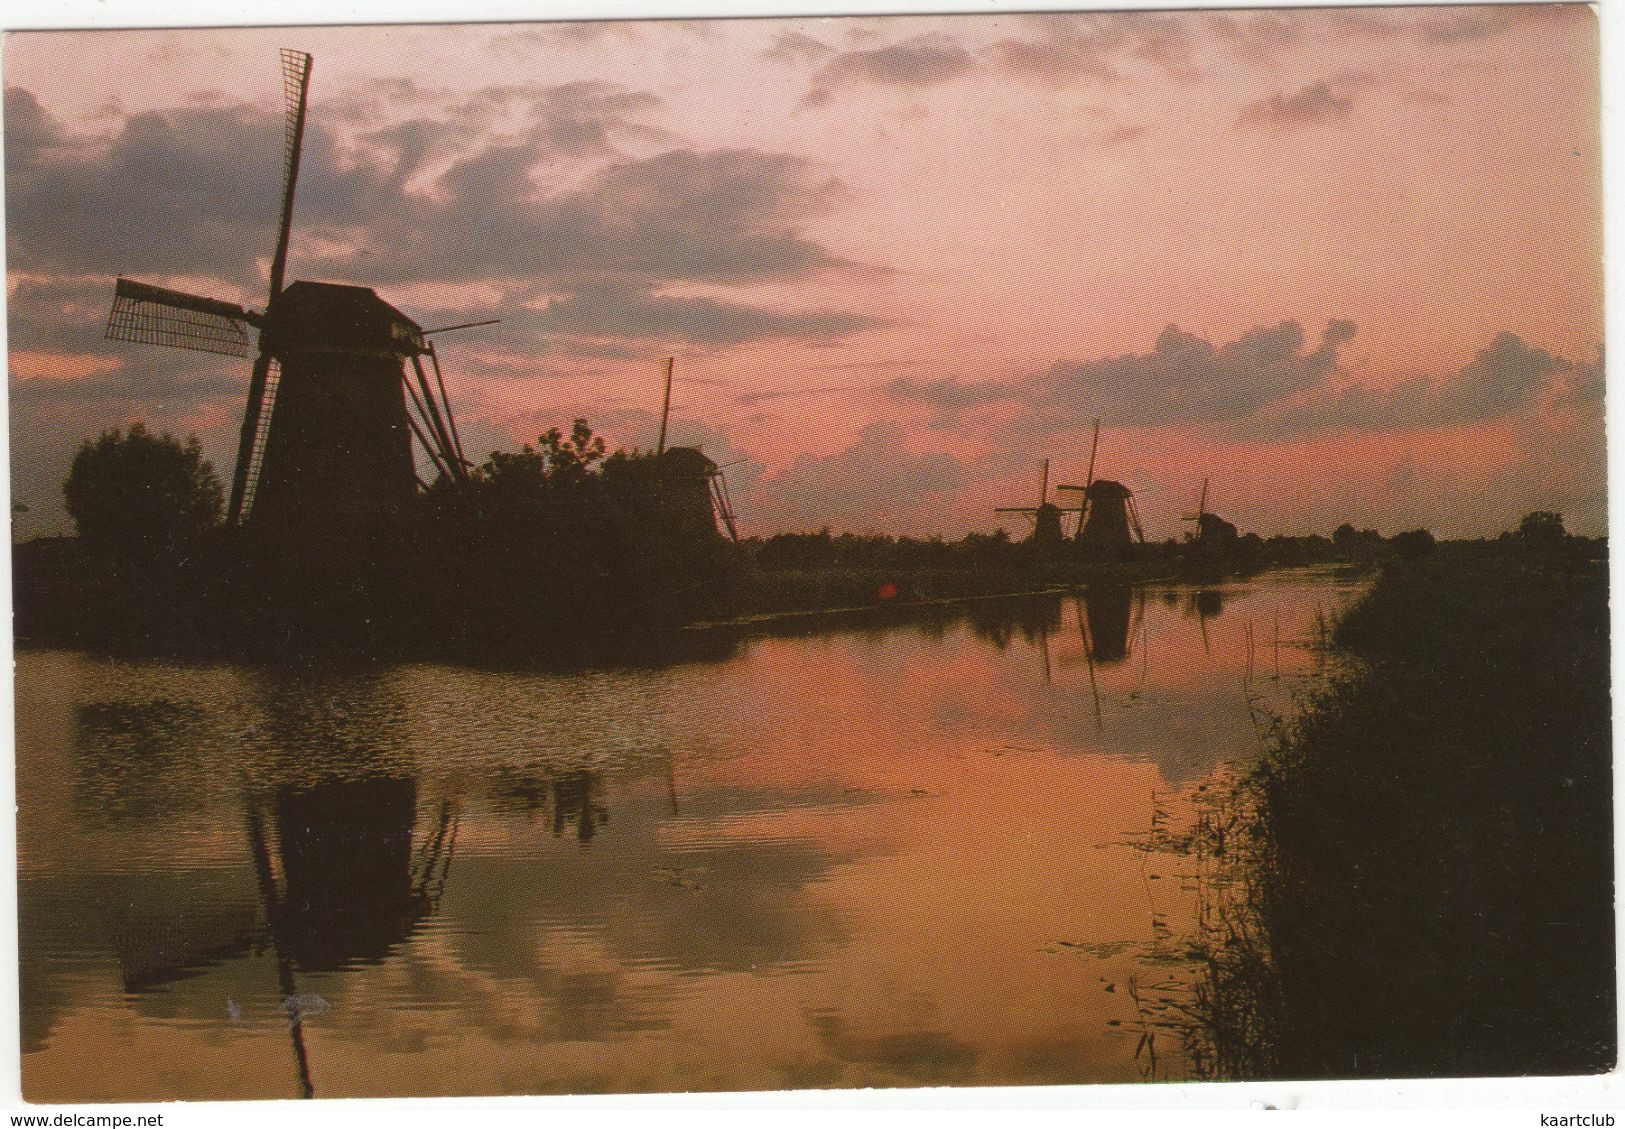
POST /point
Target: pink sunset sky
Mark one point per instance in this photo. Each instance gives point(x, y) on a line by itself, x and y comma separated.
point(1344, 262)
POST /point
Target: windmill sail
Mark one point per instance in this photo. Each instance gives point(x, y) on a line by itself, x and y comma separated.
point(154, 315)
point(296, 93)
point(723, 503)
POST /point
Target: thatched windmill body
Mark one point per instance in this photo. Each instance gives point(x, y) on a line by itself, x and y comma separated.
point(325, 454)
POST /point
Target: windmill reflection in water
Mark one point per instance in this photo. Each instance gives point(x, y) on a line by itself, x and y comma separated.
point(1109, 619)
point(346, 863)
point(343, 882)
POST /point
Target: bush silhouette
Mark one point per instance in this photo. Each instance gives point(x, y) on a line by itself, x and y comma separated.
point(139, 493)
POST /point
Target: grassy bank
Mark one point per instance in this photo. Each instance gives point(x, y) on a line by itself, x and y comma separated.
point(1422, 864)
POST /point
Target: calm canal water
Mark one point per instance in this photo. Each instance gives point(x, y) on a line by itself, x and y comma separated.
point(869, 853)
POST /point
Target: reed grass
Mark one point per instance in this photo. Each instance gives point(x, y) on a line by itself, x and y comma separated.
point(1416, 877)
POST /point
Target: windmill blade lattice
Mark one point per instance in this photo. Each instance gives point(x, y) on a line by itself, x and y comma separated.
point(295, 92)
point(154, 315)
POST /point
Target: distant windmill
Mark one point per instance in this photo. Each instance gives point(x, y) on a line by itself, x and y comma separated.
point(1107, 516)
point(702, 484)
point(1083, 502)
point(1212, 531)
point(1046, 515)
point(326, 439)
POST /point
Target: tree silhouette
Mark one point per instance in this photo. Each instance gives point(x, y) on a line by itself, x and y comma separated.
point(562, 464)
point(1542, 529)
point(1412, 543)
point(136, 492)
point(569, 458)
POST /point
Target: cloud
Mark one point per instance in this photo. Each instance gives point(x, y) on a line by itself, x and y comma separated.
point(1350, 79)
point(1586, 384)
point(793, 47)
point(433, 200)
point(28, 126)
point(1561, 460)
point(1184, 379)
point(1444, 25)
point(372, 103)
point(949, 397)
point(1066, 50)
point(729, 217)
point(189, 190)
point(1062, 51)
point(586, 117)
point(914, 64)
point(1053, 63)
point(1165, 42)
point(1470, 23)
point(1266, 385)
point(139, 387)
point(527, 42)
point(1504, 379)
point(59, 315)
point(751, 399)
point(1257, 38)
point(876, 483)
point(623, 312)
point(1315, 104)
point(183, 191)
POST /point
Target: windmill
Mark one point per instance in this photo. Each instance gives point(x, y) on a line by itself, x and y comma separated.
point(326, 445)
point(1108, 519)
point(696, 476)
point(1212, 532)
point(1046, 515)
point(1201, 511)
point(1083, 502)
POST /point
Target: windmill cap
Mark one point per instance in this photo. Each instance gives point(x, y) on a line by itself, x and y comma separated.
point(323, 317)
point(1105, 489)
point(688, 460)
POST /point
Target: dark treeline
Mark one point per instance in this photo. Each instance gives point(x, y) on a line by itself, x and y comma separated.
point(1422, 866)
point(807, 570)
point(539, 549)
point(535, 545)
point(565, 533)
point(1218, 545)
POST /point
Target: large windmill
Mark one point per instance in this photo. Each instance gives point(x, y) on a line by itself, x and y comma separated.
point(326, 439)
point(1083, 502)
point(701, 485)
